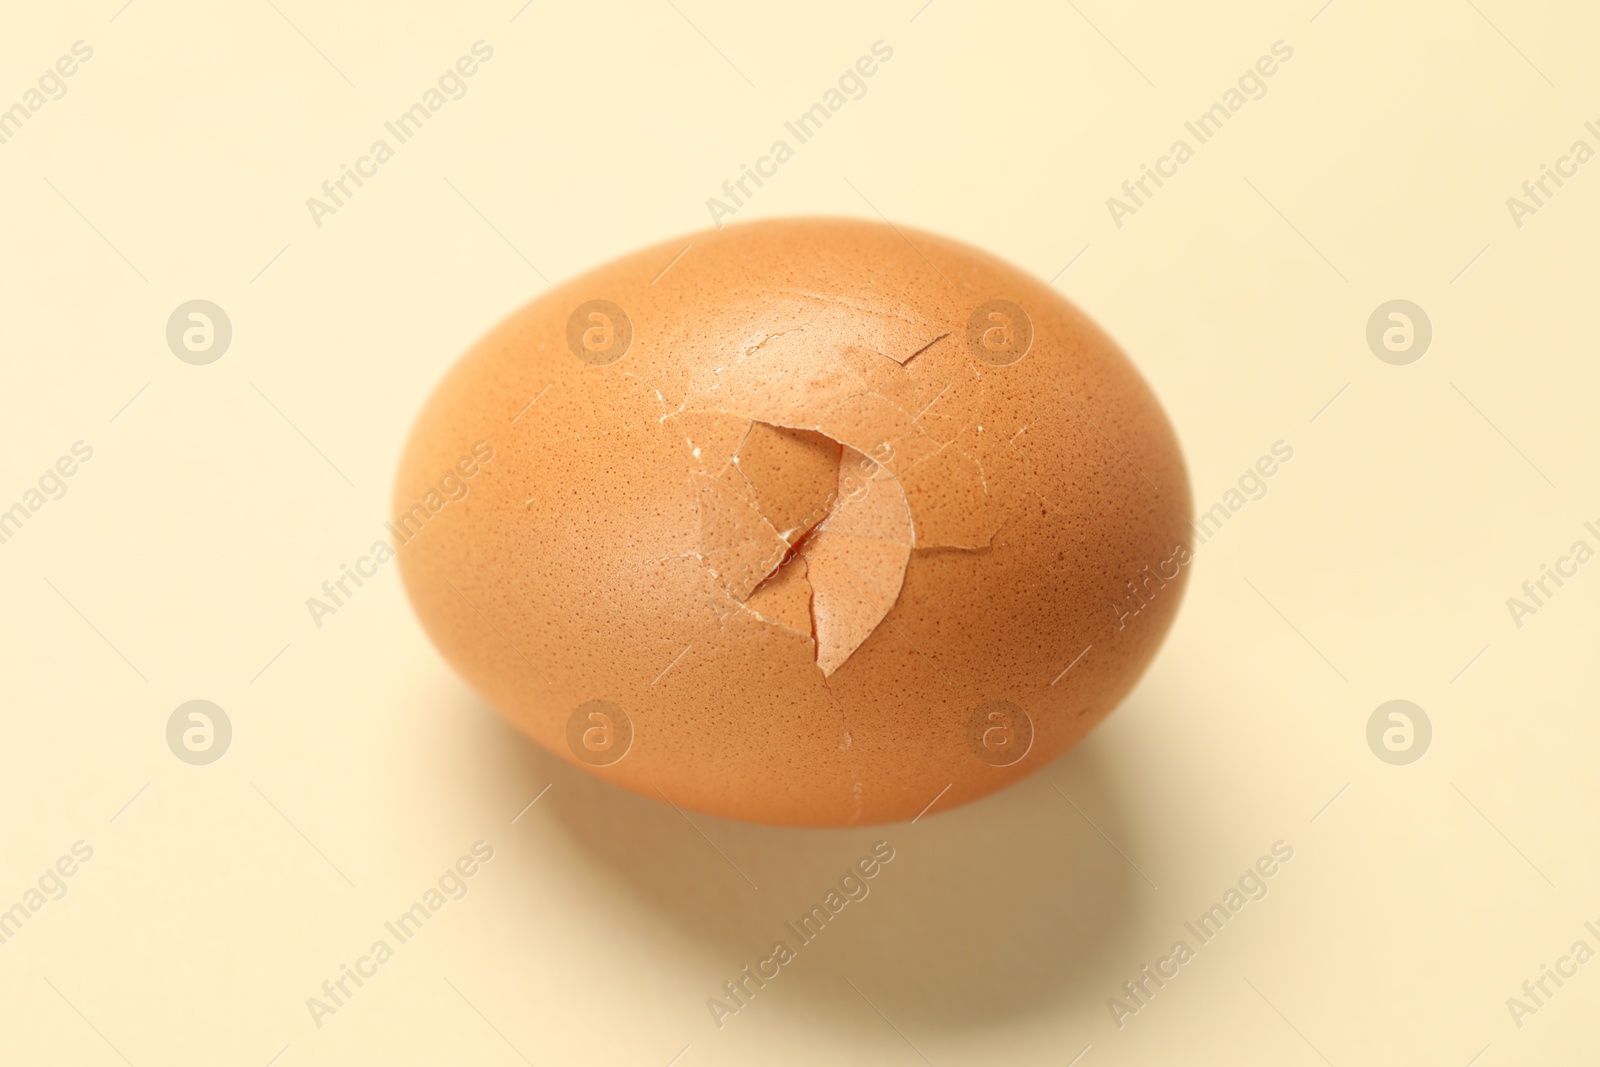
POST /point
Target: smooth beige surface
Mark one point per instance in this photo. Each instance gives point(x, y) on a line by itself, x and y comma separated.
point(1377, 566)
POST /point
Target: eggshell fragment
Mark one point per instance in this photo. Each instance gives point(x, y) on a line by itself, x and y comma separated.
point(836, 518)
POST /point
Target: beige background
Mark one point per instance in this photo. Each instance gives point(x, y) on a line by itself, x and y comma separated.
point(178, 564)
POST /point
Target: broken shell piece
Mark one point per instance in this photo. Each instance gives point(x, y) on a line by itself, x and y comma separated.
point(856, 561)
point(737, 542)
point(784, 599)
point(792, 475)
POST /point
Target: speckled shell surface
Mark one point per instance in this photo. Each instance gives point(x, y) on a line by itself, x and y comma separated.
point(804, 525)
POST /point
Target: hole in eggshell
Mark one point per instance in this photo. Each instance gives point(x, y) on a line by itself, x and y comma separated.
point(805, 532)
point(819, 466)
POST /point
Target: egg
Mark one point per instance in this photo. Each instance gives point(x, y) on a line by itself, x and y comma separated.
point(813, 522)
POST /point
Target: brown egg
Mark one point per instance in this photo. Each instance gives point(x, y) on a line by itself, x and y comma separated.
point(811, 524)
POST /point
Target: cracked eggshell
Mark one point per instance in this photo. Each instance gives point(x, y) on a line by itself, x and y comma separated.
point(802, 526)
